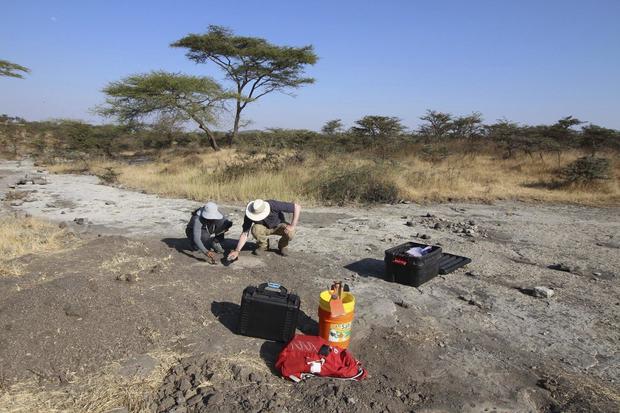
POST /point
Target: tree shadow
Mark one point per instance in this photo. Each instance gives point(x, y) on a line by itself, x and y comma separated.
point(368, 267)
point(227, 313)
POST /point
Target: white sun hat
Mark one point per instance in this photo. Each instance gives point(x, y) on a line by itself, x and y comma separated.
point(257, 210)
point(209, 211)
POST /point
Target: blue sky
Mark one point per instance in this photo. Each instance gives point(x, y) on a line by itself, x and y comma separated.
point(527, 61)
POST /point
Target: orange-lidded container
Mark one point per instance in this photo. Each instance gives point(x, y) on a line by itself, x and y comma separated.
point(336, 330)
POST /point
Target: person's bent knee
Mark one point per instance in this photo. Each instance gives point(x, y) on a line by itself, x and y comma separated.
point(259, 231)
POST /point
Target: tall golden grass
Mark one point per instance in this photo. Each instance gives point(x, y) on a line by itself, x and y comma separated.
point(26, 235)
point(463, 177)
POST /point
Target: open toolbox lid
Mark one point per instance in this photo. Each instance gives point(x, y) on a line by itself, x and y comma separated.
point(450, 262)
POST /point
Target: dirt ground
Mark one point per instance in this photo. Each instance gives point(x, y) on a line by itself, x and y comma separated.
point(469, 341)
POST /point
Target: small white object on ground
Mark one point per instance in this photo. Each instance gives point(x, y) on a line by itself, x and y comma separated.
point(543, 292)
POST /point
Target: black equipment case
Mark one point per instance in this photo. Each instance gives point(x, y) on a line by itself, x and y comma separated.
point(269, 311)
point(404, 269)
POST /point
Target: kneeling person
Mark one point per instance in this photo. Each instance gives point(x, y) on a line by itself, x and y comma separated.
point(206, 229)
point(264, 218)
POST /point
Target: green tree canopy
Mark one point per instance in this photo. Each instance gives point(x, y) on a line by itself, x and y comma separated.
point(256, 66)
point(162, 94)
point(333, 127)
point(10, 69)
point(378, 126)
point(438, 125)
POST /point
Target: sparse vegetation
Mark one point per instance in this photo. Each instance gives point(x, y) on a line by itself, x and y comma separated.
point(97, 392)
point(26, 235)
point(364, 184)
point(449, 157)
point(586, 171)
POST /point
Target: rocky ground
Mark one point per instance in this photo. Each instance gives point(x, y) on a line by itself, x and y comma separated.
point(479, 339)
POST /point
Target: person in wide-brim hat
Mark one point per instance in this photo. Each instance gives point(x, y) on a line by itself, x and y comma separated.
point(265, 218)
point(206, 228)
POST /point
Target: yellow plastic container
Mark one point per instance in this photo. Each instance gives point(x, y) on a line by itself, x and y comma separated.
point(336, 330)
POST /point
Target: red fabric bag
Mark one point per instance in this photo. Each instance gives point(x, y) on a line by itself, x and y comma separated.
point(307, 356)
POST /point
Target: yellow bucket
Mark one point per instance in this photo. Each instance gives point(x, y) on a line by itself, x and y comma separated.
point(336, 330)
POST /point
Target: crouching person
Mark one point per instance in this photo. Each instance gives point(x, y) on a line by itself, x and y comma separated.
point(265, 218)
point(206, 229)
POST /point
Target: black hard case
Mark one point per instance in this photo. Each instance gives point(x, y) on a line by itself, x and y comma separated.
point(402, 268)
point(269, 311)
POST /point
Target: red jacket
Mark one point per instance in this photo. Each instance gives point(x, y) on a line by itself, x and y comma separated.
point(312, 355)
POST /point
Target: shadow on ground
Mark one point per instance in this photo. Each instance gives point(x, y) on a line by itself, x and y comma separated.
point(184, 246)
point(227, 313)
point(368, 267)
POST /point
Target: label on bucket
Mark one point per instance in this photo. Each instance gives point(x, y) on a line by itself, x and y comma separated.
point(339, 333)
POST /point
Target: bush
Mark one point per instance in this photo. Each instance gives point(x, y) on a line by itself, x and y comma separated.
point(361, 185)
point(586, 170)
point(109, 175)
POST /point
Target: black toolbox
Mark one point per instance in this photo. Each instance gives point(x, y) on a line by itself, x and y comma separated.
point(404, 269)
point(269, 311)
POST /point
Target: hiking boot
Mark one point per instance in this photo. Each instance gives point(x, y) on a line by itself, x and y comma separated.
point(259, 251)
point(283, 251)
point(217, 247)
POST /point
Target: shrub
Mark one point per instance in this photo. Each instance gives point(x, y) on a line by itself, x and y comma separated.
point(586, 170)
point(109, 175)
point(361, 185)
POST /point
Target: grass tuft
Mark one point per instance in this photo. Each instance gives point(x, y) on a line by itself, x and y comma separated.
point(26, 235)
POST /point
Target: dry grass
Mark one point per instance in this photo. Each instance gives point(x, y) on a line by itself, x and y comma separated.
point(20, 236)
point(483, 178)
point(96, 392)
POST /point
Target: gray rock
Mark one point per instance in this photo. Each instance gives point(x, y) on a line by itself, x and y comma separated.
point(425, 236)
point(561, 267)
point(72, 310)
point(184, 385)
point(350, 400)
point(438, 226)
point(79, 221)
point(17, 202)
point(409, 223)
point(543, 292)
point(63, 225)
point(39, 180)
point(142, 366)
point(194, 400)
point(165, 404)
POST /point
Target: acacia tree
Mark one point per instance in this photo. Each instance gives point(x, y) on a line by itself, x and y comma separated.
point(378, 126)
point(161, 94)
point(10, 69)
point(379, 129)
point(256, 66)
point(438, 125)
point(333, 127)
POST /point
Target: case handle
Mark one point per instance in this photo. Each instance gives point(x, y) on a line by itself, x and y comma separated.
point(275, 287)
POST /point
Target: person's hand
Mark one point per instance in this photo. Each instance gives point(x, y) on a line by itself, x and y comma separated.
point(233, 255)
point(289, 229)
point(211, 256)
